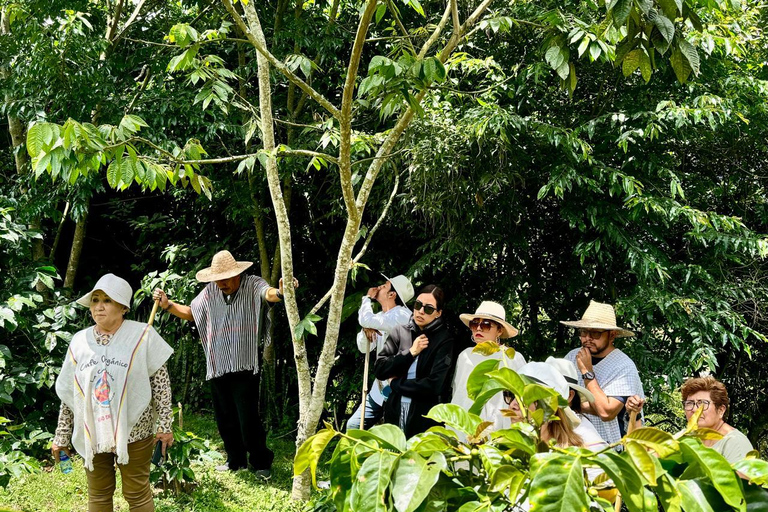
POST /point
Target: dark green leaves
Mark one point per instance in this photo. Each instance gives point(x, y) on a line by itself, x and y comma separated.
point(558, 483)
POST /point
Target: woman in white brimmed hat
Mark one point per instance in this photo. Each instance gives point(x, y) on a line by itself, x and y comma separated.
point(488, 324)
point(110, 414)
point(562, 430)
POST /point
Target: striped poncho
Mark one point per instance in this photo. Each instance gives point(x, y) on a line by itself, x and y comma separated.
point(229, 332)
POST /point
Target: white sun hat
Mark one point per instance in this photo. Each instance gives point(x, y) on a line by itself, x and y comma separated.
point(546, 375)
point(115, 287)
point(571, 376)
point(599, 316)
point(490, 310)
point(403, 287)
point(223, 266)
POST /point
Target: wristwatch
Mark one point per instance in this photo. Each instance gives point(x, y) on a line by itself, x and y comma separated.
point(588, 376)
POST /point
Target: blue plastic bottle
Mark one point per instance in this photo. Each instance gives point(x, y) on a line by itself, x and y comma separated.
point(65, 463)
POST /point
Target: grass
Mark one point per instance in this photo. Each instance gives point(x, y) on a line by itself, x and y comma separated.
point(53, 491)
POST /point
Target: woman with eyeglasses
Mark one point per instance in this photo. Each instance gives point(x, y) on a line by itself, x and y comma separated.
point(487, 324)
point(416, 360)
point(710, 394)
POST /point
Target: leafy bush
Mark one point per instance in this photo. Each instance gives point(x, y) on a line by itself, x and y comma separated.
point(13, 462)
point(512, 469)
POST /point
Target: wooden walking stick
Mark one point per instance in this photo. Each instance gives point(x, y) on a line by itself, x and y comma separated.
point(630, 428)
point(365, 381)
point(152, 314)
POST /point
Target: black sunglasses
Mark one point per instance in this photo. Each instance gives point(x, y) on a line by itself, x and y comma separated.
point(482, 324)
point(428, 308)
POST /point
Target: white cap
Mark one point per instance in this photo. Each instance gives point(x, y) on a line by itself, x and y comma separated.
point(403, 287)
point(547, 375)
point(115, 287)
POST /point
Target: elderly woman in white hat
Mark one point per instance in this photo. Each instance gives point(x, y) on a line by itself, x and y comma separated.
point(115, 398)
point(487, 324)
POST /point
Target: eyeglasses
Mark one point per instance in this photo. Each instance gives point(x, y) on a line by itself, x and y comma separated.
point(509, 397)
point(591, 333)
point(428, 308)
point(482, 324)
point(690, 405)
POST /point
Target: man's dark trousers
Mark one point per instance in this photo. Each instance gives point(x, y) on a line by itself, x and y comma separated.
point(236, 408)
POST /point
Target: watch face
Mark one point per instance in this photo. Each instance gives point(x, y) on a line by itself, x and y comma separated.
point(588, 376)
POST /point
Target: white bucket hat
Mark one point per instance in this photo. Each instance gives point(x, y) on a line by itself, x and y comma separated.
point(548, 376)
point(599, 316)
point(403, 287)
point(490, 310)
point(223, 266)
point(571, 376)
point(115, 287)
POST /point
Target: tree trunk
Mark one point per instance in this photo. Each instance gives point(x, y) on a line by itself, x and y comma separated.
point(77, 248)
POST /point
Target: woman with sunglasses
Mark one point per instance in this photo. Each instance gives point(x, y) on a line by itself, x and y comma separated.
point(416, 359)
point(710, 394)
point(487, 324)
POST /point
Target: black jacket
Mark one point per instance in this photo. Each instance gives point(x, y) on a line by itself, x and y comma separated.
point(432, 373)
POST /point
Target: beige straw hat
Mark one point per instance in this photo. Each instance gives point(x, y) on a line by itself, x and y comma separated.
point(223, 266)
point(490, 310)
point(599, 316)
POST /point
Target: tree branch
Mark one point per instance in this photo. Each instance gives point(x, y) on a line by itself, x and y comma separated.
point(400, 25)
point(131, 19)
point(364, 248)
point(279, 65)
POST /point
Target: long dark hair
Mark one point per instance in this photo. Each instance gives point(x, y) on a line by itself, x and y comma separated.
point(436, 292)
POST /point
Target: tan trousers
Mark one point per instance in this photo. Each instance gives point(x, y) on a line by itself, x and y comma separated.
point(134, 475)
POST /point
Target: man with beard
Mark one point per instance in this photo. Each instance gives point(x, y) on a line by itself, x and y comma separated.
point(608, 373)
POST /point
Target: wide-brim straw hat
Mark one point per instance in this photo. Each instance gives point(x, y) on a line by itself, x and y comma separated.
point(490, 310)
point(571, 376)
point(547, 375)
point(599, 316)
point(403, 287)
point(223, 266)
point(115, 287)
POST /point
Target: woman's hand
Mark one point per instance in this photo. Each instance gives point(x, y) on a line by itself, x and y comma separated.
point(166, 438)
point(419, 344)
point(635, 404)
point(55, 449)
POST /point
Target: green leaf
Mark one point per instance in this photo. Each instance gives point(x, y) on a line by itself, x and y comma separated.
point(371, 482)
point(478, 378)
point(621, 12)
point(717, 469)
point(690, 54)
point(665, 26)
point(648, 466)
point(671, 8)
point(309, 453)
point(380, 11)
point(113, 174)
point(515, 439)
point(507, 479)
point(390, 436)
point(698, 496)
point(455, 417)
point(680, 65)
point(627, 479)
point(557, 483)
point(755, 469)
point(663, 443)
point(632, 61)
point(669, 496)
point(414, 478)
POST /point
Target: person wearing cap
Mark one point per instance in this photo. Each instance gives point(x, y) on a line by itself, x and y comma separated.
point(562, 429)
point(115, 398)
point(416, 359)
point(607, 372)
point(577, 395)
point(487, 324)
point(392, 296)
point(227, 315)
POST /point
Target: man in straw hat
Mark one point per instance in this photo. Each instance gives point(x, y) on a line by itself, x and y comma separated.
point(227, 314)
point(392, 296)
point(605, 371)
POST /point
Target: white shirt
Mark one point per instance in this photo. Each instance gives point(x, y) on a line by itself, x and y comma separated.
point(383, 322)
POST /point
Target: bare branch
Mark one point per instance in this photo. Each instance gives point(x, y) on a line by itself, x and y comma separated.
point(401, 26)
point(279, 65)
point(455, 15)
point(435, 33)
point(147, 73)
point(364, 248)
point(130, 21)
